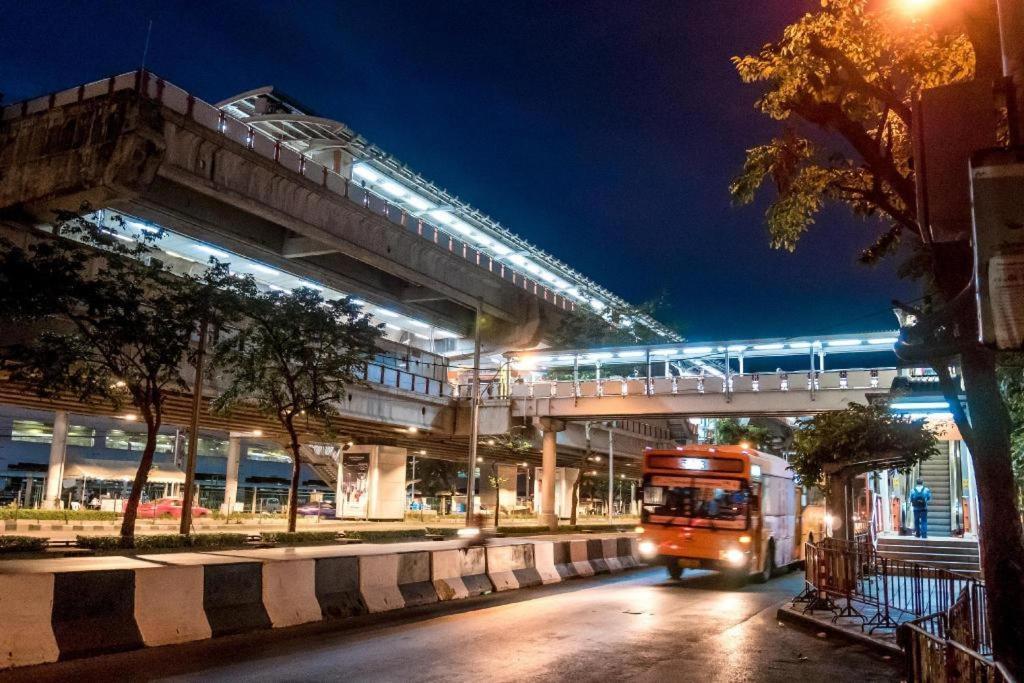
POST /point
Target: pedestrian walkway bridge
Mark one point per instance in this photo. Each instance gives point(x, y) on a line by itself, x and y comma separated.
point(748, 395)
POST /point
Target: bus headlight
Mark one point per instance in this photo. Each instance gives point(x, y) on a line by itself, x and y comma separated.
point(648, 548)
point(734, 556)
point(744, 540)
point(468, 532)
point(638, 529)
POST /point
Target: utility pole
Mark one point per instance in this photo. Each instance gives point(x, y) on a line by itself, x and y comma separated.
point(611, 468)
point(193, 431)
point(474, 412)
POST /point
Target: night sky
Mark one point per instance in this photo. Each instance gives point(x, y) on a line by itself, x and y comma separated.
point(604, 132)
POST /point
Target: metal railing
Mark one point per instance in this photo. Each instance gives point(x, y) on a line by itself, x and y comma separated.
point(212, 118)
point(939, 615)
point(763, 382)
point(396, 378)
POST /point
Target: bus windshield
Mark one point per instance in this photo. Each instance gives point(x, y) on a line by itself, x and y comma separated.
point(717, 503)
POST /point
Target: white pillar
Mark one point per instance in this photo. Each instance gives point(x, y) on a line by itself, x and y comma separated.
point(231, 474)
point(549, 459)
point(55, 471)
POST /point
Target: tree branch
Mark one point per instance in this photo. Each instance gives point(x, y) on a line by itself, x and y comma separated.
point(855, 79)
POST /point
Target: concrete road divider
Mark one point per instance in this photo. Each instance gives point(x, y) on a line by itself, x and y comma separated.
point(94, 612)
point(610, 548)
point(169, 605)
point(512, 566)
point(397, 580)
point(628, 552)
point(289, 592)
point(337, 587)
point(26, 637)
point(459, 573)
point(233, 598)
point(378, 583)
point(544, 561)
point(89, 606)
point(579, 551)
point(414, 579)
point(595, 555)
point(562, 558)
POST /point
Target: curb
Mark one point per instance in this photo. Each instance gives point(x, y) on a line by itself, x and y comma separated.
point(810, 623)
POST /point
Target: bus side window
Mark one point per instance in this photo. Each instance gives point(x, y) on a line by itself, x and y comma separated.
point(755, 497)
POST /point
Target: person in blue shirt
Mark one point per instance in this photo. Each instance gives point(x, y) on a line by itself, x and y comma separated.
point(920, 496)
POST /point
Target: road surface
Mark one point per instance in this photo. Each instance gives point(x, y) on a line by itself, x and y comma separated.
point(637, 626)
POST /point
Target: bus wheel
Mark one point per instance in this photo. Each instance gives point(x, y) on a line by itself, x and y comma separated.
point(769, 565)
point(674, 570)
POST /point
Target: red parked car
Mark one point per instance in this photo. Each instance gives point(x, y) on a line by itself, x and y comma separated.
point(168, 506)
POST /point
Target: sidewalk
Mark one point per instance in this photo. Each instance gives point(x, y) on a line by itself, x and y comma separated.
point(848, 628)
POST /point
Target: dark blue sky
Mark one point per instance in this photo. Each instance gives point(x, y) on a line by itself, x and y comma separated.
point(604, 132)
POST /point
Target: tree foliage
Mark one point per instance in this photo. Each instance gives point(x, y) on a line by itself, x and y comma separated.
point(584, 328)
point(291, 358)
point(851, 72)
point(106, 322)
point(729, 431)
point(859, 434)
point(1011, 377)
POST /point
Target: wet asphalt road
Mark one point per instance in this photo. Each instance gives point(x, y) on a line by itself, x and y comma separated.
point(637, 626)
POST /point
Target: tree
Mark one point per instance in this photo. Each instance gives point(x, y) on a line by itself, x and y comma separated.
point(833, 447)
point(842, 81)
point(1012, 385)
point(106, 322)
point(858, 438)
point(584, 328)
point(292, 357)
point(513, 444)
point(729, 431)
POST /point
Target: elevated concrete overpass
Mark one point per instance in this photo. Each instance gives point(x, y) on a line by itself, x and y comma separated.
point(293, 192)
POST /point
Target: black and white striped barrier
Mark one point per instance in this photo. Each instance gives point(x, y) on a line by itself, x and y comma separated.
point(62, 615)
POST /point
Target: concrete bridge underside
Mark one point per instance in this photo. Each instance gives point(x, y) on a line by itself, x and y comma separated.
point(128, 153)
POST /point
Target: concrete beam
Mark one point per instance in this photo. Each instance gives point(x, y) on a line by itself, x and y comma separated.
point(298, 247)
point(414, 295)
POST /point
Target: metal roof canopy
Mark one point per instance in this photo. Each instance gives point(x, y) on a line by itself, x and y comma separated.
point(298, 128)
point(697, 353)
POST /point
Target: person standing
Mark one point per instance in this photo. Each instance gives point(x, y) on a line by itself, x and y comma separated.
point(920, 496)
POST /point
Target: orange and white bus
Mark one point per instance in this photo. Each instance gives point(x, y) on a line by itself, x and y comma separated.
point(728, 508)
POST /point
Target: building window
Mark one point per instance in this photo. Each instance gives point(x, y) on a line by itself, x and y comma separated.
point(136, 441)
point(268, 455)
point(34, 431)
point(213, 448)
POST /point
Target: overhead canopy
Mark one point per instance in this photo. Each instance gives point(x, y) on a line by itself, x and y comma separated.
point(120, 470)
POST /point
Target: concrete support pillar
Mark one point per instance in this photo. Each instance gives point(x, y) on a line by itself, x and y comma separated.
point(371, 483)
point(549, 459)
point(231, 474)
point(55, 470)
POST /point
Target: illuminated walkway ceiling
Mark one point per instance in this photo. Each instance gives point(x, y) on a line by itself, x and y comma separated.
point(188, 252)
point(711, 357)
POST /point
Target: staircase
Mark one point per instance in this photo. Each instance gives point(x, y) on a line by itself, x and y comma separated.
point(935, 472)
point(955, 554)
point(324, 461)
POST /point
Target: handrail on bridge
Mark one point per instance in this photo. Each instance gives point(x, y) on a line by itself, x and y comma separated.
point(756, 382)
